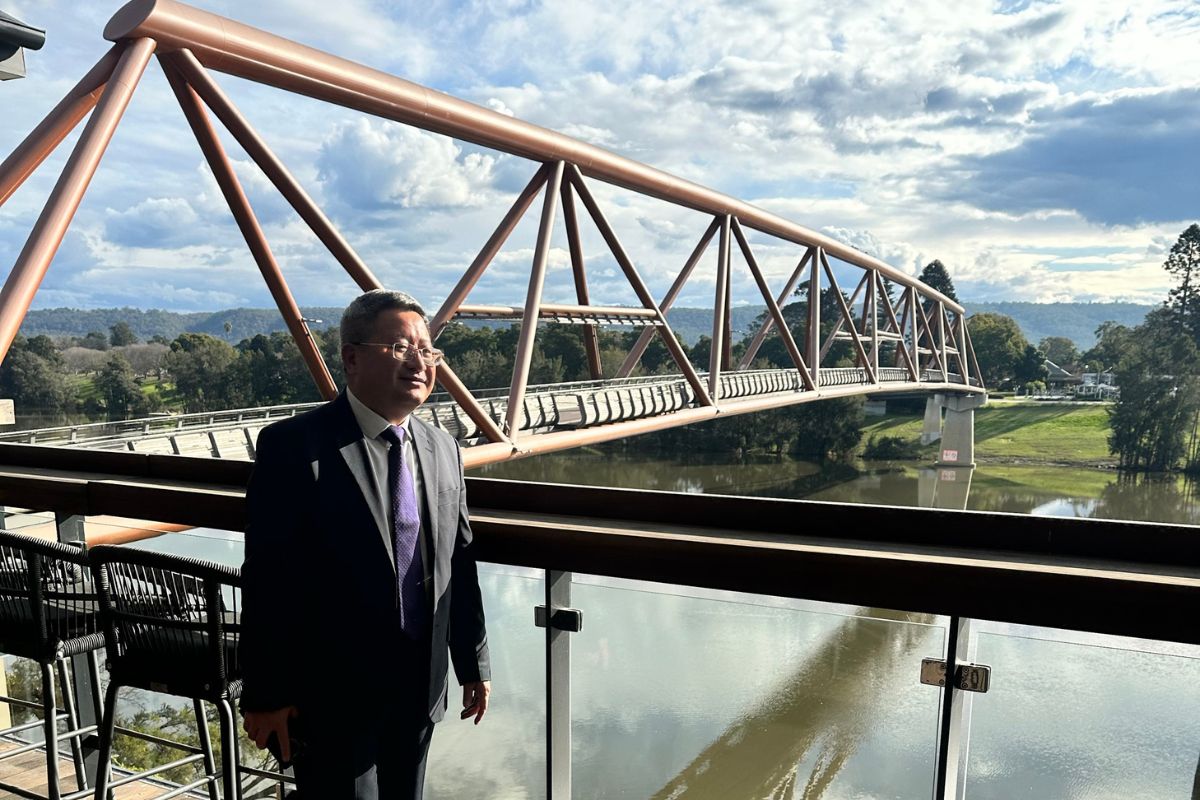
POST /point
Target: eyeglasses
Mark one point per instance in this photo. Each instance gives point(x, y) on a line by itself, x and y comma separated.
point(402, 349)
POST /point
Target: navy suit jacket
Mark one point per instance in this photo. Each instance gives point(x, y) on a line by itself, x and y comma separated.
point(319, 620)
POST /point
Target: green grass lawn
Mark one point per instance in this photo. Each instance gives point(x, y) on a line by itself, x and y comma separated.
point(83, 386)
point(1075, 434)
point(166, 392)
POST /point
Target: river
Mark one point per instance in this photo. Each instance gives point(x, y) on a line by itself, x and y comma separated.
point(1023, 489)
point(687, 694)
point(684, 694)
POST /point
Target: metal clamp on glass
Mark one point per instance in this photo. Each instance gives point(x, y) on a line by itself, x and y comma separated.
point(564, 619)
point(967, 677)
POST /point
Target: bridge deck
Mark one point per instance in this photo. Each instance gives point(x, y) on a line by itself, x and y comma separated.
point(547, 408)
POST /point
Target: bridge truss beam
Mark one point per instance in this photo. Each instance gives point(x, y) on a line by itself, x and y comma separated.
point(188, 41)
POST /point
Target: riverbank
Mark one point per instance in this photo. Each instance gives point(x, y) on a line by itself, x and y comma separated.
point(1018, 432)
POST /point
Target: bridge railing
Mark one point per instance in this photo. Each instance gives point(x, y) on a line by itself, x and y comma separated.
point(159, 425)
point(576, 405)
point(829, 623)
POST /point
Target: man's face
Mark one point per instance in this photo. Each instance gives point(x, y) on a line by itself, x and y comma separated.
point(392, 388)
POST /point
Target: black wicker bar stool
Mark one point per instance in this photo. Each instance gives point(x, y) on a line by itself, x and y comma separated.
point(171, 625)
point(48, 613)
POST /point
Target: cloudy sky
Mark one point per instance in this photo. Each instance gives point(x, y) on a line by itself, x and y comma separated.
point(1042, 151)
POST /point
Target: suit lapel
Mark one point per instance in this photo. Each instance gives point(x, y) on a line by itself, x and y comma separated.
point(353, 449)
point(427, 456)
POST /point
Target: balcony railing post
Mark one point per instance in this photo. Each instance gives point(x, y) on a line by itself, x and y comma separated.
point(85, 668)
point(955, 724)
point(558, 689)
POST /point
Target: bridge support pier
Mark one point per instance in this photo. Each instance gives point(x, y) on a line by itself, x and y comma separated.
point(958, 429)
point(931, 431)
point(944, 487)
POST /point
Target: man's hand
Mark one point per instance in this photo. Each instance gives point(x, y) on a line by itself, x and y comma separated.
point(475, 699)
point(259, 725)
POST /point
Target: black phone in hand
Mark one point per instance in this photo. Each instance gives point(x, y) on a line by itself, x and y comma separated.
point(296, 747)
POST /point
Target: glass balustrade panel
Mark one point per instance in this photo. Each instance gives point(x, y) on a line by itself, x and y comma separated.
point(705, 695)
point(504, 757)
point(1076, 715)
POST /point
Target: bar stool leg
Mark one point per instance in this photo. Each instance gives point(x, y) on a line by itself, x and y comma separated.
point(68, 695)
point(108, 721)
point(229, 763)
point(50, 726)
point(94, 667)
point(210, 761)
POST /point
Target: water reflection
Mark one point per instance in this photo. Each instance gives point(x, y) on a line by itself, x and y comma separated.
point(796, 741)
point(1022, 489)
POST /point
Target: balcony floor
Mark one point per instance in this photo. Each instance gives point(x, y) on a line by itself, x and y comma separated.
point(28, 771)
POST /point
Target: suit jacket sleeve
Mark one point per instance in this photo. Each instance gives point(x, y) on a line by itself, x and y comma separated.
point(269, 618)
point(468, 634)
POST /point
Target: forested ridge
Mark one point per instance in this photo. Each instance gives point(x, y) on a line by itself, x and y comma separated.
point(1075, 321)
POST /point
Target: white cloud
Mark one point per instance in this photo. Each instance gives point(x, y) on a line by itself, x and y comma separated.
point(897, 128)
point(164, 221)
point(369, 164)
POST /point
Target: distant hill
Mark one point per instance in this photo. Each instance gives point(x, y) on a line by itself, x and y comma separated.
point(1076, 321)
point(243, 322)
point(691, 323)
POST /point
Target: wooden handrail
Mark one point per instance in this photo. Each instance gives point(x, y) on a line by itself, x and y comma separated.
point(1124, 578)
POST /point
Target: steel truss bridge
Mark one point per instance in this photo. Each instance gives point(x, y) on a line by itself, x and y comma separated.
point(555, 412)
point(915, 342)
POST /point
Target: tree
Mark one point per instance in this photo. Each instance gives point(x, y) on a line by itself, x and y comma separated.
point(1154, 422)
point(146, 359)
point(935, 276)
point(1112, 341)
point(1031, 368)
point(95, 340)
point(120, 334)
point(1183, 264)
point(1061, 351)
point(701, 352)
point(656, 360)
point(117, 388)
point(33, 376)
point(81, 360)
point(774, 353)
point(197, 363)
point(476, 356)
point(564, 342)
point(999, 346)
point(831, 427)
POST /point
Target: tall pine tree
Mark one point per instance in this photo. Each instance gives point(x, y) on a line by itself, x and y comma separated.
point(1156, 423)
point(1184, 265)
point(937, 277)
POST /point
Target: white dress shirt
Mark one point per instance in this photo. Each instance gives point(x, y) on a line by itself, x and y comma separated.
point(377, 448)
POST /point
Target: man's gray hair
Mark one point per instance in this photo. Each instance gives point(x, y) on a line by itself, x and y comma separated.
point(358, 320)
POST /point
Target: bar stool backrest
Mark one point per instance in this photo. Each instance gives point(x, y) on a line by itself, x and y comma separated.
point(48, 605)
point(170, 622)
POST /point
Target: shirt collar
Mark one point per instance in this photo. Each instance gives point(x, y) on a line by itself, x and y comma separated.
point(369, 422)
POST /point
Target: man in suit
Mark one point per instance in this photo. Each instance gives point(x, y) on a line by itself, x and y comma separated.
point(359, 576)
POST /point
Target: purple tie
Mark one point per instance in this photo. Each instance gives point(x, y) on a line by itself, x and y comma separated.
point(406, 522)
